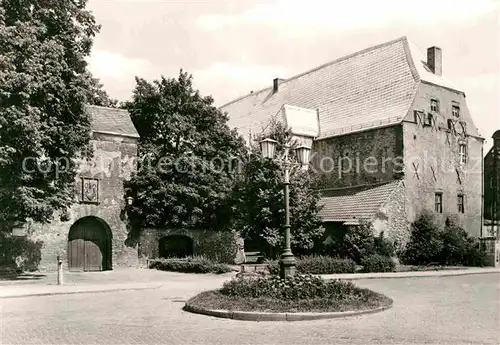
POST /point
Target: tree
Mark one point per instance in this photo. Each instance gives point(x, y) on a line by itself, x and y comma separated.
point(187, 157)
point(44, 84)
point(99, 96)
point(258, 204)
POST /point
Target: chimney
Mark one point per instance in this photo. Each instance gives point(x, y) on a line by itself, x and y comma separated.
point(435, 60)
point(276, 83)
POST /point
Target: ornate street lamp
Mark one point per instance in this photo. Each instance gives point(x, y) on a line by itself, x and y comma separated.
point(268, 148)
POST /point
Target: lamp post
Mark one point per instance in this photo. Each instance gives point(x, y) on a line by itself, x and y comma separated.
point(268, 148)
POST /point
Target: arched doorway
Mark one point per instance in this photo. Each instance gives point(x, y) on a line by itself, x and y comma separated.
point(175, 246)
point(89, 245)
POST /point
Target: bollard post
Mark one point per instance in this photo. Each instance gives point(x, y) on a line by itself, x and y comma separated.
point(60, 280)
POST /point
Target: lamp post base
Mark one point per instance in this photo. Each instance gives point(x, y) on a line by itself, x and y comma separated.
point(287, 264)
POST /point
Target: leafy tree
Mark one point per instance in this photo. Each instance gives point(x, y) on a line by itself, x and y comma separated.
point(186, 165)
point(44, 84)
point(258, 204)
point(99, 96)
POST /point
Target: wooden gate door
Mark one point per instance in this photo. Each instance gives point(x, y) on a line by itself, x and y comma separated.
point(87, 246)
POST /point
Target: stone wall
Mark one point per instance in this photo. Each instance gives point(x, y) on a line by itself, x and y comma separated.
point(219, 246)
point(114, 160)
point(432, 161)
point(392, 219)
point(372, 155)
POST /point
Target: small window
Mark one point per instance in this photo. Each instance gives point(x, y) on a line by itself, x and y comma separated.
point(435, 105)
point(462, 152)
point(455, 110)
point(438, 202)
point(461, 205)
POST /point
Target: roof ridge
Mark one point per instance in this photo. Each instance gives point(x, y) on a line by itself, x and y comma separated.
point(376, 184)
point(103, 107)
point(363, 51)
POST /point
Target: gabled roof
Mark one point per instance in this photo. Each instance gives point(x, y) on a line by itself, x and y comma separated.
point(371, 88)
point(360, 202)
point(111, 121)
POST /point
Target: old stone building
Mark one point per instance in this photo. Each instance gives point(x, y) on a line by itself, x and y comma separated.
point(93, 234)
point(492, 187)
point(395, 137)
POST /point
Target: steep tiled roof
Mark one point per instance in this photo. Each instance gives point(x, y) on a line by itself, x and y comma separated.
point(371, 88)
point(112, 121)
point(360, 202)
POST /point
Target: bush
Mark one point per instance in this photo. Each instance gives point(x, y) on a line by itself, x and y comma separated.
point(317, 265)
point(292, 288)
point(425, 243)
point(378, 263)
point(429, 243)
point(359, 242)
point(383, 246)
point(195, 264)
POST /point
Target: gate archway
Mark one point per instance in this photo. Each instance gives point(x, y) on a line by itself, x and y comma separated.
point(175, 246)
point(89, 245)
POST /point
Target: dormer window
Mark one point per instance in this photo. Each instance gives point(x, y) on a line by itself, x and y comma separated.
point(455, 110)
point(435, 105)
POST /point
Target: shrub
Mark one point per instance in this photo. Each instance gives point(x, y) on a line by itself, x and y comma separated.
point(383, 246)
point(196, 264)
point(359, 242)
point(378, 263)
point(298, 287)
point(317, 265)
point(425, 243)
point(449, 246)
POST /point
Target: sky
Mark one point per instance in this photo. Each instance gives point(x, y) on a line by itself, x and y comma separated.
point(235, 46)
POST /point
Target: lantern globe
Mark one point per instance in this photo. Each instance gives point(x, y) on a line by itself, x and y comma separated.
point(268, 147)
point(303, 153)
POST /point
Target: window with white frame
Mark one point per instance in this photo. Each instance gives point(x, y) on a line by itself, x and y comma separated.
point(438, 202)
point(462, 152)
point(435, 105)
point(455, 110)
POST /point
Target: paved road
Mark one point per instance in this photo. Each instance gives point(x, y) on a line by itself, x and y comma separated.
point(438, 310)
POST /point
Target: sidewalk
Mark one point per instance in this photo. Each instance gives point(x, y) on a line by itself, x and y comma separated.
point(45, 283)
point(412, 274)
point(143, 279)
point(11, 291)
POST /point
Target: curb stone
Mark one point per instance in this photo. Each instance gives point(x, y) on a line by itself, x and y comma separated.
point(265, 316)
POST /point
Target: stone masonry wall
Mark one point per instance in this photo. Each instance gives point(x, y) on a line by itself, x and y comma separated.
point(372, 154)
point(432, 161)
point(113, 161)
point(219, 246)
point(392, 219)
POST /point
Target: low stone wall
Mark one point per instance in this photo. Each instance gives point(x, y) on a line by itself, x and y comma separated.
point(492, 247)
point(219, 246)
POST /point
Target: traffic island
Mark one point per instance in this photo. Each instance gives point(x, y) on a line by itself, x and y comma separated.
point(292, 299)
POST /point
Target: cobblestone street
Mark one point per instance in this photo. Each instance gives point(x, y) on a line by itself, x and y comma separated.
point(434, 310)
